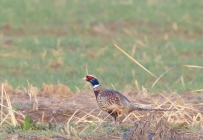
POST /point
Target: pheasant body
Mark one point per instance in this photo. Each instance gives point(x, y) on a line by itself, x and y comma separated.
point(110, 99)
point(113, 102)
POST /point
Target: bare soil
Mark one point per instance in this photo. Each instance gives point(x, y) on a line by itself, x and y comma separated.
point(56, 104)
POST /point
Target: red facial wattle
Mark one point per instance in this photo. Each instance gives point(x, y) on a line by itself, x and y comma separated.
point(88, 77)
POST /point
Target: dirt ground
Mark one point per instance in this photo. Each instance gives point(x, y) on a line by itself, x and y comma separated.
point(56, 104)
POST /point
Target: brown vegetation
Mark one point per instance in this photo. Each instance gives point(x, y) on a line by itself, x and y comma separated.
point(56, 104)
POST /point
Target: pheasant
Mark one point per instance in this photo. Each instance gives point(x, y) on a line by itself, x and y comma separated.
point(113, 102)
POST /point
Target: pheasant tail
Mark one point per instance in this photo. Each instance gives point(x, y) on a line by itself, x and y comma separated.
point(142, 108)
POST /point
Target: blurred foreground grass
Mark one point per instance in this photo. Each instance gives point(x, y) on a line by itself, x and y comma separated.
point(55, 41)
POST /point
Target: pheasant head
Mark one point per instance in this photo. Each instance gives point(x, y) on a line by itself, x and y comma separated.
point(92, 79)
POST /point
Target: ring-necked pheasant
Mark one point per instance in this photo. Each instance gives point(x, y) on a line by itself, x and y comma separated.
point(113, 101)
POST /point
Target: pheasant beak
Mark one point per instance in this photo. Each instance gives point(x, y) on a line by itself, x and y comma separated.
point(84, 78)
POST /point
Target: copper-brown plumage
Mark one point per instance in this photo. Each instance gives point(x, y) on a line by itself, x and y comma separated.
point(113, 102)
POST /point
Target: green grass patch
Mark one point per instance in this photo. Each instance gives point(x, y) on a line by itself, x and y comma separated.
point(54, 42)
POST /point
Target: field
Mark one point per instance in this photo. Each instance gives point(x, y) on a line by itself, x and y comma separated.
point(47, 47)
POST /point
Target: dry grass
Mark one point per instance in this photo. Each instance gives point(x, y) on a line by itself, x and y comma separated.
point(7, 111)
point(179, 104)
point(81, 114)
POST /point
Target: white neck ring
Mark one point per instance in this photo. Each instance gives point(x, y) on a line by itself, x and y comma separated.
point(95, 86)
